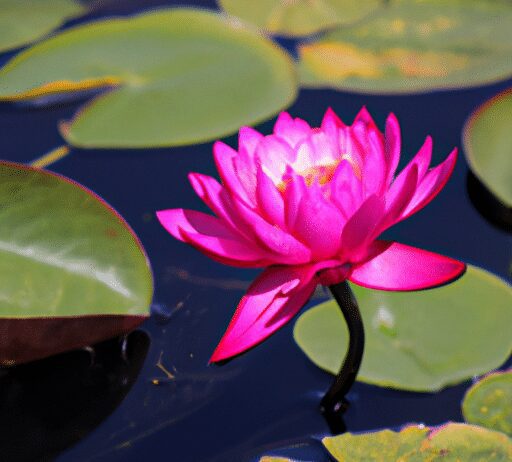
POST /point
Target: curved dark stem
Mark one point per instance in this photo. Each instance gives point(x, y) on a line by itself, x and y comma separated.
point(334, 403)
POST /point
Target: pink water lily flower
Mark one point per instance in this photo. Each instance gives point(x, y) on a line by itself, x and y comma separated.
point(308, 205)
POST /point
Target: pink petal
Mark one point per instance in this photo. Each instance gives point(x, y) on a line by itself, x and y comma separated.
point(248, 140)
point(364, 116)
point(295, 190)
point(360, 228)
point(331, 122)
point(401, 267)
point(269, 199)
point(291, 130)
point(274, 154)
point(346, 189)
point(305, 156)
point(325, 148)
point(224, 156)
point(175, 221)
point(228, 251)
point(422, 158)
point(398, 197)
point(374, 165)
point(350, 149)
point(318, 224)
point(431, 185)
point(393, 145)
point(216, 198)
point(284, 248)
point(212, 237)
point(271, 301)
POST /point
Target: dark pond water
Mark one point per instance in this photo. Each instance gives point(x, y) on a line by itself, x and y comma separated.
point(75, 407)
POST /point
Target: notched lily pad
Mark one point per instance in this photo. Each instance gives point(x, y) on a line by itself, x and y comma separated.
point(415, 46)
point(418, 341)
point(72, 271)
point(487, 141)
point(450, 443)
point(169, 84)
point(299, 17)
point(489, 402)
point(24, 21)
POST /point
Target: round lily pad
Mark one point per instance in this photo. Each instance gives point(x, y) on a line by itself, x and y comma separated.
point(176, 76)
point(414, 46)
point(299, 17)
point(23, 21)
point(72, 271)
point(489, 402)
point(450, 443)
point(418, 341)
point(487, 141)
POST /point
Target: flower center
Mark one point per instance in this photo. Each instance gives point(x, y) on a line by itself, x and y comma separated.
point(322, 174)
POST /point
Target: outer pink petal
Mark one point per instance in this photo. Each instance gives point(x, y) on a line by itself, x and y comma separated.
point(401, 267)
point(422, 158)
point(291, 130)
point(360, 229)
point(393, 146)
point(271, 301)
point(431, 185)
point(224, 159)
point(212, 237)
point(216, 197)
point(398, 197)
point(175, 221)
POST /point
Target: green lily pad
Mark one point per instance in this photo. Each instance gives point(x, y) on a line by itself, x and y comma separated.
point(489, 402)
point(377, 446)
point(24, 21)
point(170, 84)
point(72, 271)
point(418, 341)
point(415, 46)
point(487, 141)
point(449, 443)
point(299, 17)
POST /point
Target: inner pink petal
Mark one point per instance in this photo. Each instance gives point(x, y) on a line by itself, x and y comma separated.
point(346, 189)
point(291, 130)
point(318, 224)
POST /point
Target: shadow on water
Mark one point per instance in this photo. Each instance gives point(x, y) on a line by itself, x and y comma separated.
point(48, 405)
point(488, 206)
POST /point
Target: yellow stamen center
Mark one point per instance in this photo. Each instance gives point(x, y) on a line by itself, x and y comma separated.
point(322, 174)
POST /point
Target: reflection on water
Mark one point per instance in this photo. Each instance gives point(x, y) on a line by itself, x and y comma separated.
point(48, 405)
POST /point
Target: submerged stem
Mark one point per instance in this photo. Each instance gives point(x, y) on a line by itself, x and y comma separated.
point(334, 404)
